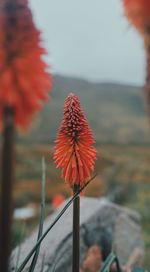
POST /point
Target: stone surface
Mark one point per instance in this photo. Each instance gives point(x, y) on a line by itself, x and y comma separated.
point(102, 223)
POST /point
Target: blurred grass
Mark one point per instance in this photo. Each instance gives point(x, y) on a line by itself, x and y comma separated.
point(123, 172)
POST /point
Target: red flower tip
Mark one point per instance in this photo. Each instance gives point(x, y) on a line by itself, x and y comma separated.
point(74, 152)
point(24, 79)
point(138, 13)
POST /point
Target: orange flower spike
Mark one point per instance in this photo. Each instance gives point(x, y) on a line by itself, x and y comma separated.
point(138, 13)
point(24, 79)
point(74, 152)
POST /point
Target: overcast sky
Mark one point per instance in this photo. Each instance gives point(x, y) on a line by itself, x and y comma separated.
point(90, 39)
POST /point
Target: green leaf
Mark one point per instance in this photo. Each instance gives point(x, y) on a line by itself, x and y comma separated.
point(19, 247)
point(42, 215)
point(109, 261)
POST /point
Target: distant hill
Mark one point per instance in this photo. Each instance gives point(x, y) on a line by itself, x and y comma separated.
point(115, 112)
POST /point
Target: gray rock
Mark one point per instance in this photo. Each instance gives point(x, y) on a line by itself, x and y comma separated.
point(102, 223)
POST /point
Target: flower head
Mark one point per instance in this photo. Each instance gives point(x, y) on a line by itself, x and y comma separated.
point(138, 13)
point(24, 79)
point(74, 152)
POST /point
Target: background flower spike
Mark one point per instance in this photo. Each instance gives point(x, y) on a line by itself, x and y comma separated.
point(138, 14)
point(24, 78)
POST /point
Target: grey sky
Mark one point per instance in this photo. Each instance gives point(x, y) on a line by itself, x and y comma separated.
point(90, 39)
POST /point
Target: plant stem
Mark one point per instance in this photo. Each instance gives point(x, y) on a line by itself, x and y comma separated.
point(76, 231)
point(6, 188)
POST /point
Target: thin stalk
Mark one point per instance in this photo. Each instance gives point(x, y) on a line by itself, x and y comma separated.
point(76, 231)
point(22, 266)
point(6, 188)
point(19, 247)
point(42, 215)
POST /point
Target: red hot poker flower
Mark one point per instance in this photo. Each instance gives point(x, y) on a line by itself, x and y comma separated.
point(138, 13)
point(24, 80)
point(74, 152)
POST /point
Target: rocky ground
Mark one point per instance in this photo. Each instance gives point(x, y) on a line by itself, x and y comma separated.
point(104, 227)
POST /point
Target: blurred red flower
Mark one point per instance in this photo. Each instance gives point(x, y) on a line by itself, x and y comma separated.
point(24, 78)
point(74, 152)
point(138, 13)
point(57, 200)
